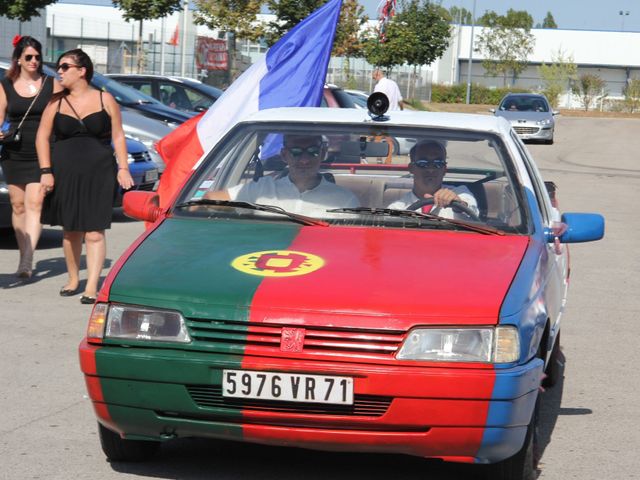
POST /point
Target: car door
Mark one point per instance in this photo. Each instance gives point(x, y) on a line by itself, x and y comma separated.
point(556, 259)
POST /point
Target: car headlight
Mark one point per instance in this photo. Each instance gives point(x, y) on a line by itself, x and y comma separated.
point(137, 323)
point(490, 345)
point(544, 122)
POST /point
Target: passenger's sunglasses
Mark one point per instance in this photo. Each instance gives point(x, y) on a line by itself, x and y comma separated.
point(424, 163)
point(28, 58)
point(66, 66)
point(312, 151)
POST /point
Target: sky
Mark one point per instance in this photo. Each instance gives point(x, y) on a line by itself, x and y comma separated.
point(568, 14)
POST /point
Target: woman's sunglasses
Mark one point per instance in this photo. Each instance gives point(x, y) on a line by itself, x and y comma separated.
point(66, 66)
point(28, 58)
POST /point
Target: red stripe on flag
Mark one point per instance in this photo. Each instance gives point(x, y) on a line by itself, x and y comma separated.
point(184, 145)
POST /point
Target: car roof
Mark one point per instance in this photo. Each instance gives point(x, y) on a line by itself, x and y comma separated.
point(524, 94)
point(454, 121)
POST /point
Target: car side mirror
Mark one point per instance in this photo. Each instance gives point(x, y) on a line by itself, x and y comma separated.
point(555, 112)
point(578, 228)
point(141, 205)
point(492, 110)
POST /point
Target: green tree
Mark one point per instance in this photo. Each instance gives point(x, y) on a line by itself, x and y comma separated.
point(549, 21)
point(429, 29)
point(288, 14)
point(505, 43)
point(392, 52)
point(512, 19)
point(590, 88)
point(632, 95)
point(347, 42)
point(236, 16)
point(22, 10)
point(460, 15)
point(147, 10)
point(557, 75)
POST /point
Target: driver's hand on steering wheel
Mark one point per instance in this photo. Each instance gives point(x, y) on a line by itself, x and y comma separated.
point(443, 198)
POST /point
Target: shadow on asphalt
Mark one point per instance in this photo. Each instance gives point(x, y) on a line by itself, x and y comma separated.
point(194, 459)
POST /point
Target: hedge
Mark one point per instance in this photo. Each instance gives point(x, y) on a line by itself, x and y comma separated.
point(479, 94)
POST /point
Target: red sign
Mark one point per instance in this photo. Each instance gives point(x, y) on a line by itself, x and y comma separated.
point(211, 54)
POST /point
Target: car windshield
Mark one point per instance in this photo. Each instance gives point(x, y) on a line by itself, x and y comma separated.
point(122, 93)
point(524, 104)
point(358, 175)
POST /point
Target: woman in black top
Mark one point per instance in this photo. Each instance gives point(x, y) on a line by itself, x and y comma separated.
point(79, 171)
point(24, 82)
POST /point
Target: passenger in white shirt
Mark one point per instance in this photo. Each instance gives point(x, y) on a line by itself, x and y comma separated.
point(304, 190)
point(389, 88)
point(428, 166)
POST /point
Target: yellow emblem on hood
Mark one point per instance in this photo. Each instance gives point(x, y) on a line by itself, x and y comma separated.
point(277, 263)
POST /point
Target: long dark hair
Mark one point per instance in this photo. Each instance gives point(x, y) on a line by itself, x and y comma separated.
point(81, 59)
point(24, 42)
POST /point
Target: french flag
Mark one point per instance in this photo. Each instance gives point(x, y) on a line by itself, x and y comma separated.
point(291, 74)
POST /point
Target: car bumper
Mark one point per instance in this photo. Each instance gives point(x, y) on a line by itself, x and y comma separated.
point(475, 415)
point(534, 132)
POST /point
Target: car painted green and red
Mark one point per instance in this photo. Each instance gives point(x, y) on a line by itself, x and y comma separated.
point(346, 316)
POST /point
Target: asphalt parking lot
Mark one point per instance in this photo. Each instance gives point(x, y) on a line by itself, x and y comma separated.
point(48, 430)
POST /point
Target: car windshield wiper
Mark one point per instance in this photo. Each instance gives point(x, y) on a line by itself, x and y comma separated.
point(255, 206)
point(410, 213)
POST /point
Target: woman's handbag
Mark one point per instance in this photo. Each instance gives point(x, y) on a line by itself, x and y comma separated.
point(14, 135)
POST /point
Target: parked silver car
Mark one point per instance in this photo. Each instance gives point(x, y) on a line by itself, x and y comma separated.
point(530, 115)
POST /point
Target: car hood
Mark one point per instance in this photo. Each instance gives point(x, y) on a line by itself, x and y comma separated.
point(380, 278)
point(531, 116)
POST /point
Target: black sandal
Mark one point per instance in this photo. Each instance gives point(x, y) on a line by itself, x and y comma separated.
point(87, 300)
point(68, 292)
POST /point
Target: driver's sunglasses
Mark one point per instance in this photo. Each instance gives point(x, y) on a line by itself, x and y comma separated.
point(424, 163)
point(312, 151)
point(66, 66)
point(28, 58)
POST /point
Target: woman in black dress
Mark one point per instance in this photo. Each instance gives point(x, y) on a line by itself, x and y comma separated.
point(24, 85)
point(79, 171)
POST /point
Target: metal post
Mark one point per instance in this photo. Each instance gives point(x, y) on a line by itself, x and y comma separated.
point(183, 53)
point(473, 25)
point(162, 46)
point(108, 44)
point(53, 34)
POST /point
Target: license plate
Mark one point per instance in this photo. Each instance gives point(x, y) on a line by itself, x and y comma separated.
point(289, 387)
point(151, 175)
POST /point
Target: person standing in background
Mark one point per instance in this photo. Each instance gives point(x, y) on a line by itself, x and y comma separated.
point(389, 88)
point(79, 171)
point(25, 91)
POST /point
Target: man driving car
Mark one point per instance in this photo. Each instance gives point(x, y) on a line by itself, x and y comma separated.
point(428, 166)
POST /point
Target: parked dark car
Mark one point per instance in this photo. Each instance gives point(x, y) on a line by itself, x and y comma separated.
point(132, 98)
point(182, 93)
point(5, 204)
point(143, 169)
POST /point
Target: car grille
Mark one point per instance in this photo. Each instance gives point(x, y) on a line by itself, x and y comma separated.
point(141, 156)
point(526, 130)
point(363, 405)
point(317, 340)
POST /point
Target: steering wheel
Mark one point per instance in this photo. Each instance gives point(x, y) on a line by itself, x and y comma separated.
point(457, 206)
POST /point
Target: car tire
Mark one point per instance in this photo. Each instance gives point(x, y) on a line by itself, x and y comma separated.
point(120, 450)
point(524, 464)
point(553, 371)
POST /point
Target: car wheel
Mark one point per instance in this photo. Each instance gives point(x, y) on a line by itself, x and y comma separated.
point(553, 370)
point(119, 449)
point(524, 464)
